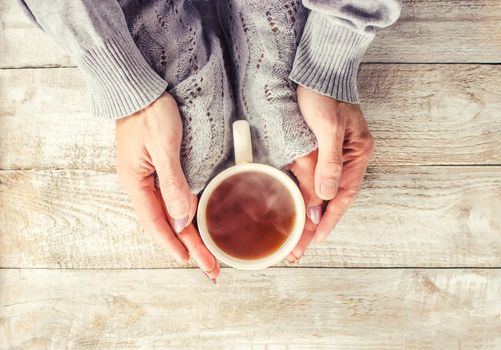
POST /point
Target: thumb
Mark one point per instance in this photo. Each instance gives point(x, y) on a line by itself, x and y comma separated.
point(330, 163)
point(175, 190)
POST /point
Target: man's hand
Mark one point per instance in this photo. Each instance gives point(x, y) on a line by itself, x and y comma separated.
point(344, 148)
point(148, 143)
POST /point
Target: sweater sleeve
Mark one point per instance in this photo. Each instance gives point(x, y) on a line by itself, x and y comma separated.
point(95, 34)
point(334, 40)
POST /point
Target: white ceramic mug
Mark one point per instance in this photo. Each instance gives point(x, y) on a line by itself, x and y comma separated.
point(243, 159)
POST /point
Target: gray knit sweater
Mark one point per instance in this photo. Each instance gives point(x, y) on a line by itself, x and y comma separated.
point(131, 51)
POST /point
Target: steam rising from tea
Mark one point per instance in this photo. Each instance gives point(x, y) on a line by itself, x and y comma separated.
point(250, 215)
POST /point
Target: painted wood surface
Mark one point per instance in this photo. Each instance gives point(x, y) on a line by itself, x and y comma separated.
point(406, 217)
point(427, 31)
point(77, 271)
point(273, 309)
point(418, 114)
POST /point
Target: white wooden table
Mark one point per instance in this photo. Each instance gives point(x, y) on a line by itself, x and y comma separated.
point(415, 264)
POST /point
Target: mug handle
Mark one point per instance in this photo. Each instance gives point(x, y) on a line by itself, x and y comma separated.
point(242, 143)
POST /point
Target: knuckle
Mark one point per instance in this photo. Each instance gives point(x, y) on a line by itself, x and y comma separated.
point(153, 221)
point(369, 144)
point(332, 211)
point(130, 180)
point(352, 194)
point(335, 159)
point(171, 240)
point(171, 184)
point(366, 139)
point(334, 163)
point(364, 146)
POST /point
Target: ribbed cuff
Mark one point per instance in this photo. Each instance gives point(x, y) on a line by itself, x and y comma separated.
point(120, 80)
point(328, 57)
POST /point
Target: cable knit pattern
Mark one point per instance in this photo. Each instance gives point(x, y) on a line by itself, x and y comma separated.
point(129, 51)
point(170, 37)
point(263, 36)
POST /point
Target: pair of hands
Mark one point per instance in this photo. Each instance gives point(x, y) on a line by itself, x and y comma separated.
point(149, 142)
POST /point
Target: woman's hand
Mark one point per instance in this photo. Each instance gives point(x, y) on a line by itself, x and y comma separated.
point(344, 148)
point(148, 143)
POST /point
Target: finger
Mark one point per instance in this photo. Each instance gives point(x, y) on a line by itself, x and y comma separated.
point(191, 215)
point(304, 170)
point(174, 188)
point(190, 237)
point(197, 250)
point(335, 210)
point(305, 240)
point(204, 259)
point(350, 183)
point(149, 207)
point(330, 161)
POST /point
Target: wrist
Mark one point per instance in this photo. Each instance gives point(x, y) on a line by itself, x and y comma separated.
point(328, 57)
point(120, 80)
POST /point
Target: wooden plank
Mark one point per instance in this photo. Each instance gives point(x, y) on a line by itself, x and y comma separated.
point(433, 114)
point(427, 31)
point(23, 44)
point(272, 309)
point(441, 31)
point(405, 217)
point(45, 123)
point(419, 114)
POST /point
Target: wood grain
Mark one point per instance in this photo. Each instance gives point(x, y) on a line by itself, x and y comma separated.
point(23, 44)
point(427, 31)
point(419, 114)
point(272, 309)
point(441, 31)
point(77, 271)
point(404, 217)
point(44, 122)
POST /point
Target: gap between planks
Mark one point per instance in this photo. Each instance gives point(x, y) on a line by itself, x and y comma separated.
point(427, 31)
point(413, 310)
point(363, 63)
point(427, 217)
point(465, 63)
point(418, 114)
point(388, 165)
point(227, 268)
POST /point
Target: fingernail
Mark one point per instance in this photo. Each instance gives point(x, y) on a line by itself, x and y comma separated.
point(328, 188)
point(180, 224)
point(291, 260)
point(212, 280)
point(315, 213)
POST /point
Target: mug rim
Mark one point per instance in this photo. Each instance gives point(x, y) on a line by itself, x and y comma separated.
point(287, 245)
